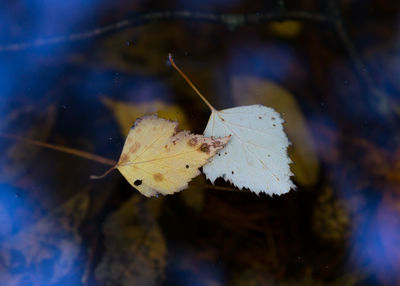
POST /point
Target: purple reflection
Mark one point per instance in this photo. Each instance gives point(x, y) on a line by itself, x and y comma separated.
point(42, 252)
point(15, 211)
point(212, 4)
point(187, 268)
point(272, 61)
point(376, 239)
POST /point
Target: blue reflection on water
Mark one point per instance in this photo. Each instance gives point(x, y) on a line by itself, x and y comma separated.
point(376, 238)
point(212, 4)
point(36, 249)
point(35, 18)
point(271, 61)
point(15, 211)
point(186, 269)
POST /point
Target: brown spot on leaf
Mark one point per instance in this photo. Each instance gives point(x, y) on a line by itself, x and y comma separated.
point(137, 182)
point(176, 130)
point(205, 148)
point(217, 143)
point(134, 147)
point(158, 177)
point(259, 117)
point(274, 124)
point(187, 166)
point(272, 118)
point(192, 142)
point(123, 159)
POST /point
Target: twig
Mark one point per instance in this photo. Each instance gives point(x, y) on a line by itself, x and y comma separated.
point(231, 20)
point(222, 188)
point(234, 20)
point(62, 149)
point(379, 98)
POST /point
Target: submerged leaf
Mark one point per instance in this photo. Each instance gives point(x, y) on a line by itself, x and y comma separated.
point(194, 197)
point(48, 252)
point(126, 113)
point(135, 247)
point(286, 29)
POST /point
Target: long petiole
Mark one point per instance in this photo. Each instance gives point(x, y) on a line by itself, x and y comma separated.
point(171, 60)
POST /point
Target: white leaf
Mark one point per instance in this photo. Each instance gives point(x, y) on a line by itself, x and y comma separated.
point(256, 156)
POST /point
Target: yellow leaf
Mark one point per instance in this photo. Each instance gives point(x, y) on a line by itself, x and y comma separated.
point(286, 29)
point(157, 158)
point(126, 113)
point(251, 90)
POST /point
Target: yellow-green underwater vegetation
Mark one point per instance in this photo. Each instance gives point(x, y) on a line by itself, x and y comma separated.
point(76, 76)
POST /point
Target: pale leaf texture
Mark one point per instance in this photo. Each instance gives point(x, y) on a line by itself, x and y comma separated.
point(256, 156)
point(157, 158)
point(250, 90)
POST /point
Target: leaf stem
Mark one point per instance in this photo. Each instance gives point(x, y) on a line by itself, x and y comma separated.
point(79, 153)
point(171, 60)
point(105, 174)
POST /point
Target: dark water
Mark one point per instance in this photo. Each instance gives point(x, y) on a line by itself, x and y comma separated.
point(78, 73)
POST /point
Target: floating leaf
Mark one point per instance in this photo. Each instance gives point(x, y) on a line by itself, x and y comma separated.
point(158, 158)
point(250, 90)
point(126, 113)
point(256, 156)
point(135, 247)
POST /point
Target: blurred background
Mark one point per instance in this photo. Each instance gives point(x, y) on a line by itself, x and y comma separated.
point(78, 73)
